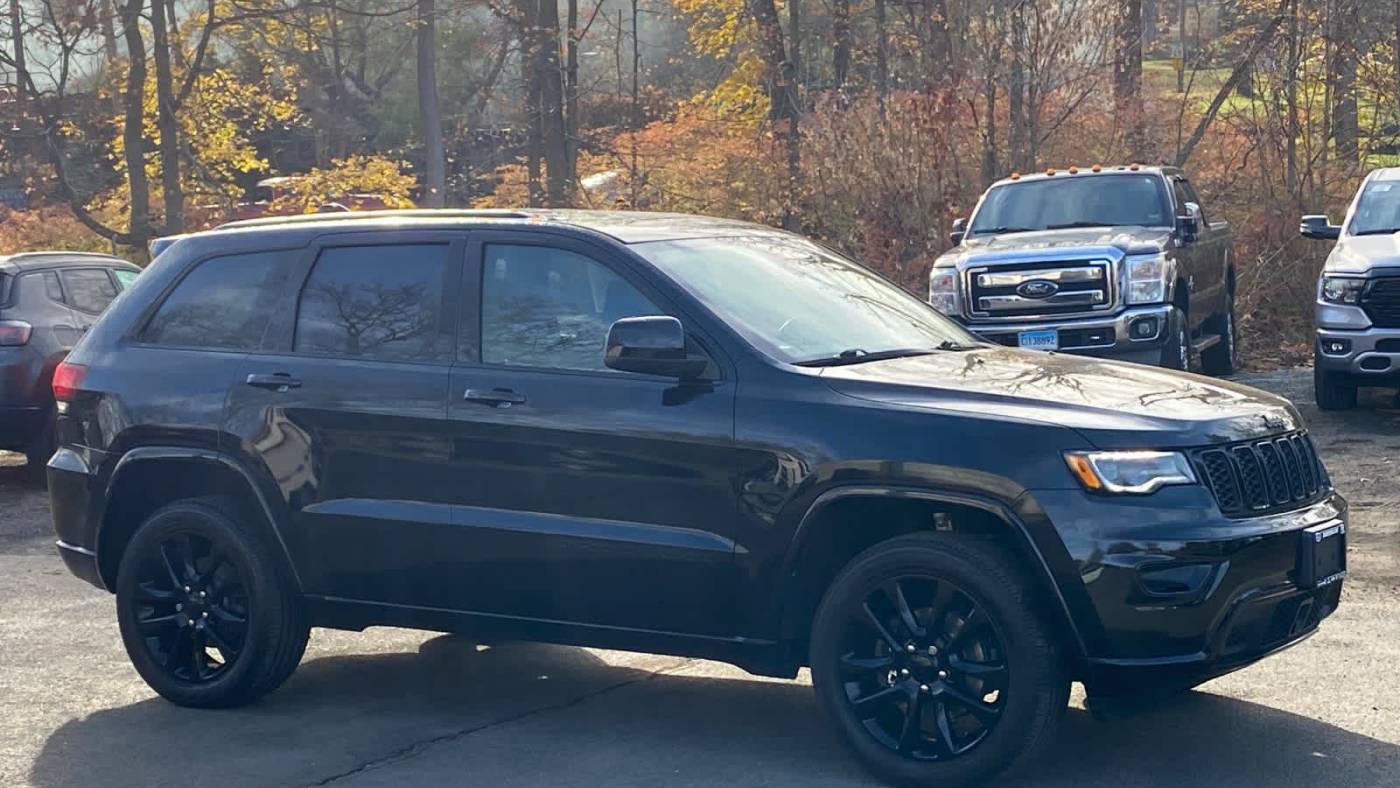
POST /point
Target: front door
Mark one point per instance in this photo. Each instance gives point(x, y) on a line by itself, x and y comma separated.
point(585, 494)
point(345, 407)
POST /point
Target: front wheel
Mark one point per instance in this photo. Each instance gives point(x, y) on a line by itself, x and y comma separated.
point(932, 658)
point(1176, 353)
point(205, 615)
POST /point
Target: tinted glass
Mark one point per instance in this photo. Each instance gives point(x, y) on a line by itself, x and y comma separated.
point(224, 302)
point(124, 277)
point(90, 290)
point(52, 288)
point(1074, 201)
point(799, 302)
point(1378, 210)
point(382, 302)
point(545, 307)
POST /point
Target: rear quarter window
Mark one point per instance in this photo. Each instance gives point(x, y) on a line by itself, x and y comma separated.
point(224, 303)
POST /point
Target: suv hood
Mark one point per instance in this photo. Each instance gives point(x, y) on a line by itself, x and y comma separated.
point(1128, 240)
point(1357, 254)
point(1114, 405)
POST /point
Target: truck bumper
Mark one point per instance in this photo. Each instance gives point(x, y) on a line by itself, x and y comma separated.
point(1370, 357)
point(1135, 334)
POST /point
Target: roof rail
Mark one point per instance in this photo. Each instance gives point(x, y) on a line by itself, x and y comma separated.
point(412, 213)
point(18, 256)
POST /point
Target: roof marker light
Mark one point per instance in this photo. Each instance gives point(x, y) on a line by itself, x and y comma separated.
point(1073, 170)
point(1050, 171)
point(1015, 176)
point(1097, 167)
point(1134, 167)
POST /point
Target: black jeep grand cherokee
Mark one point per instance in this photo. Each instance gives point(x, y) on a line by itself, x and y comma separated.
point(670, 434)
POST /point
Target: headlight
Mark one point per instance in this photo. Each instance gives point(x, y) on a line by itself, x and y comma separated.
point(1342, 290)
point(1131, 472)
point(943, 290)
point(1147, 279)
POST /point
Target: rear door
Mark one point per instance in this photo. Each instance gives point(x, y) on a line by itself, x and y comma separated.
point(345, 405)
point(88, 291)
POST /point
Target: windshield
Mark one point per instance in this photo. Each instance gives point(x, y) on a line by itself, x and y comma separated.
point(1074, 201)
point(1378, 210)
point(801, 303)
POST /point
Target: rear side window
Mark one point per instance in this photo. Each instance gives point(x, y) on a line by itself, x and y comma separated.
point(225, 302)
point(379, 302)
point(52, 288)
point(89, 289)
point(124, 277)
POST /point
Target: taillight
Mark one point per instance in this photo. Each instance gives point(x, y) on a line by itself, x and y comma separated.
point(15, 332)
point(67, 380)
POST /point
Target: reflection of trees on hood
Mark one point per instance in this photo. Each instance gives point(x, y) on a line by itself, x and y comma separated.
point(373, 315)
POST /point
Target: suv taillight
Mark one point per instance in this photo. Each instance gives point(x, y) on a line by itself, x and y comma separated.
point(14, 332)
point(67, 380)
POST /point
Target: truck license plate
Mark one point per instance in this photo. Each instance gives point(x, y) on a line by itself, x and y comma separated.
point(1039, 340)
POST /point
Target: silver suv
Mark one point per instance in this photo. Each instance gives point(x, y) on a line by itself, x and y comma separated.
point(1358, 294)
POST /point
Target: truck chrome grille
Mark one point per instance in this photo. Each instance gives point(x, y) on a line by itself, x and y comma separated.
point(1040, 289)
point(1259, 477)
point(1382, 302)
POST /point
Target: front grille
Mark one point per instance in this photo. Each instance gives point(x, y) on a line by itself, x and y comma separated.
point(1079, 287)
point(1259, 477)
point(1382, 302)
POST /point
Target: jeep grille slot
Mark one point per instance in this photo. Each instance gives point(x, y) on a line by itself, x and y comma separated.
point(1040, 289)
point(1259, 477)
point(1382, 302)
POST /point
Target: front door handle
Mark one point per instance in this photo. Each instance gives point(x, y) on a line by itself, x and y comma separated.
point(280, 382)
point(499, 398)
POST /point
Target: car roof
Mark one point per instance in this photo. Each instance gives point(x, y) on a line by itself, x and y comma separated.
point(1080, 172)
point(29, 261)
point(1385, 174)
point(625, 226)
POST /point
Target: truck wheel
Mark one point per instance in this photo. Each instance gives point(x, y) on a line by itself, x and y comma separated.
point(932, 659)
point(205, 615)
point(1328, 390)
point(1176, 353)
point(1221, 358)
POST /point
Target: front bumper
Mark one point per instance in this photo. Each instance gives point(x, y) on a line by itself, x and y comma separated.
point(1170, 593)
point(1108, 336)
point(1371, 356)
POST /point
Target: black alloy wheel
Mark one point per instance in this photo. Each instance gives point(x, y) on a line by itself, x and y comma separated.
point(924, 668)
point(191, 607)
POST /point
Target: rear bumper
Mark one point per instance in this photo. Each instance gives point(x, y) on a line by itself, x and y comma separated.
point(1109, 336)
point(1370, 357)
point(73, 499)
point(81, 561)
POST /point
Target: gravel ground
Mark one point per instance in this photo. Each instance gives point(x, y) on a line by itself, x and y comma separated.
point(397, 707)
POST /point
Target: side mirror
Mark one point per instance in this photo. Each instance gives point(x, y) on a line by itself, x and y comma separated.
point(1319, 229)
point(1190, 224)
point(959, 231)
point(651, 345)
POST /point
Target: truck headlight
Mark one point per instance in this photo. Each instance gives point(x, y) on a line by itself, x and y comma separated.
point(1129, 472)
point(1147, 279)
point(1342, 289)
point(943, 290)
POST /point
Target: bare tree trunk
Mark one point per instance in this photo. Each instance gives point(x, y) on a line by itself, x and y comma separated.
point(167, 124)
point(17, 43)
point(1290, 126)
point(1127, 74)
point(794, 138)
point(133, 138)
point(571, 118)
point(1149, 22)
point(882, 57)
point(429, 109)
point(940, 46)
point(841, 41)
point(1342, 74)
point(109, 31)
point(1018, 133)
point(558, 179)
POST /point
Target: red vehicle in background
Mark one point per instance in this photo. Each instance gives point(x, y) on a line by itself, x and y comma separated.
point(271, 200)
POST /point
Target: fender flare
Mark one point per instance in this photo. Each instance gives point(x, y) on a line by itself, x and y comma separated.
point(142, 454)
point(985, 503)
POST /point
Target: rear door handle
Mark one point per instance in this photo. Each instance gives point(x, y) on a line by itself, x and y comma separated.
point(278, 381)
point(500, 398)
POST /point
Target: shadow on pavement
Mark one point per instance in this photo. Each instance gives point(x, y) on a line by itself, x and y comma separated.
point(454, 701)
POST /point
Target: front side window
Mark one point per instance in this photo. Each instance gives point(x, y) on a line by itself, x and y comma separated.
point(548, 307)
point(90, 289)
point(1378, 209)
point(801, 303)
point(379, 302)
point(225, 302)
point(1074, 201)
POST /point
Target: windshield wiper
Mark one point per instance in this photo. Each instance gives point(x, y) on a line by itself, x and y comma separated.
point(1377, 231)
point(860, 356)
point(1069, 225)
point(1000, 230)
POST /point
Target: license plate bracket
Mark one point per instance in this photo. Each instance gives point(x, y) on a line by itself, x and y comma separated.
point(1039, 340)
point(1322, 555)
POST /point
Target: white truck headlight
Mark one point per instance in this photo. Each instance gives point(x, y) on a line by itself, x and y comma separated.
point(1146, 277)
point(943, 290)
point(1342, 289)
point(1129, 472)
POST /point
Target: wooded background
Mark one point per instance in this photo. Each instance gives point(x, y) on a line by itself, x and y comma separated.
point(868, 123)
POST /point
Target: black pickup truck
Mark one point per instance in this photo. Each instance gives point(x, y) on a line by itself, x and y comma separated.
point(1119, 262)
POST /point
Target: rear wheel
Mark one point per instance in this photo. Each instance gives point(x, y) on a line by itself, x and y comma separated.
point(1330, 389)
point(205, 616)
point(929, 654)
point(1176, 353)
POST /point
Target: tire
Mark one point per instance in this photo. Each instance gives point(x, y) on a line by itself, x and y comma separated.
point(1009, 661)
point(210, 659)
point(1176, 353)
point(41, 447)
point(1221, 358)
point(1328, 391)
